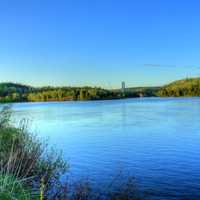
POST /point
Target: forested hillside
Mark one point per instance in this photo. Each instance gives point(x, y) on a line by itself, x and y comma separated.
point(11, 92)
point(184, 87)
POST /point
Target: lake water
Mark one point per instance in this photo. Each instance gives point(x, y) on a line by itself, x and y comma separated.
point(156, 140)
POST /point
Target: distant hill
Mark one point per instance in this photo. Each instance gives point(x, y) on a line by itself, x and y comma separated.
point(184, 87)
point(10, 92)
point(14, 87)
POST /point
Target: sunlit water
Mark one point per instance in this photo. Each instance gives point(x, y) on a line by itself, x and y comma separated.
point(156, 140)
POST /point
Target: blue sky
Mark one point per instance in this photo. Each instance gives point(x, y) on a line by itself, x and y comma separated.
point(99, 42)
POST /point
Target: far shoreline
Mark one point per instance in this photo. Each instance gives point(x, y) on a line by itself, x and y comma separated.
point(99, 100)
point(19, 93)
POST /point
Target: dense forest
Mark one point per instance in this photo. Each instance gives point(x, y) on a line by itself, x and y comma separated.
point(184, 87)
point(12, 92)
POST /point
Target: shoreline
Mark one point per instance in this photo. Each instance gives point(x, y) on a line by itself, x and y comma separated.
point(99, 100)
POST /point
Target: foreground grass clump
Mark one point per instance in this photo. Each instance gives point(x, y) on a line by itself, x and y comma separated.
point(30, 170)
point(11, 188)
point(24, 157)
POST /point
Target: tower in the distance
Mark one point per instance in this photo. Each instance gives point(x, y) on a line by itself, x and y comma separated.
point(123, 86)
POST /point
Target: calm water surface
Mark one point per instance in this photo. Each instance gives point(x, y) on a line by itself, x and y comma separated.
point(156, 140)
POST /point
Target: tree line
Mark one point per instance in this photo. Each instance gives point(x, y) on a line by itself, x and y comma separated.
point(11, 92)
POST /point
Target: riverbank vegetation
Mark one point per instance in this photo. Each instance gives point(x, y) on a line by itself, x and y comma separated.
point(31, 170)
point(26, 160)
point(11, 92)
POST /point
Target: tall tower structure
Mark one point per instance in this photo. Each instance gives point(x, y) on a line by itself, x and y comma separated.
point(123, 86)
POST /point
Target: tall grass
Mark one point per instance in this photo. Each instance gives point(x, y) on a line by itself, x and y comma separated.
point(25, 157)
point(11, 188)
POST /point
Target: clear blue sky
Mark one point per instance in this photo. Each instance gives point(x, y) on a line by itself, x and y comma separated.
point(99, 42)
